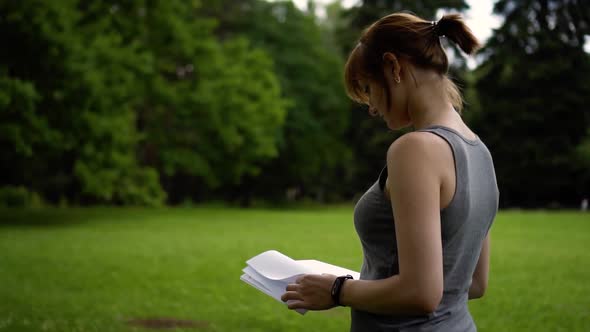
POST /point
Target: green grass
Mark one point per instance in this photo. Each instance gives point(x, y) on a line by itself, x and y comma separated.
point(95, 269)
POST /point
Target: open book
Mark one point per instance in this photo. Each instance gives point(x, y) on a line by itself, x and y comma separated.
point(270, 272)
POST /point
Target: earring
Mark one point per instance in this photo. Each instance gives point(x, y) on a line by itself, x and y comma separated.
point(397, 79)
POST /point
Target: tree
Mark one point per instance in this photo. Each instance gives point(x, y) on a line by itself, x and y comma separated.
point(68, 106)
point(312, 151)
point(208, 112)
point(533, 91)
point(103, 99)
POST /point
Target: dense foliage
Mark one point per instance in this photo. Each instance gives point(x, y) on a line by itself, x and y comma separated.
point(104, 102)
point(533, 92)
point(147, 102)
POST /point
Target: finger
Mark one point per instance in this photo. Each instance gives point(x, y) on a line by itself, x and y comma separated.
point(297, 305)
point(288, 296)
point(292, 287)
point(298, 280)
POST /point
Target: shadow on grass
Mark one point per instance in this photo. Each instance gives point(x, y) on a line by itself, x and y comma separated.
point(167, 323)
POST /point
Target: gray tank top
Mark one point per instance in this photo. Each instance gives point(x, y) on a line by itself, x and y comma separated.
point(464, 225)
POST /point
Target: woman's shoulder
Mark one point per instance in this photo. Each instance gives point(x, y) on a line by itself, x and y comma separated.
point(417, 144)
point(418, 155)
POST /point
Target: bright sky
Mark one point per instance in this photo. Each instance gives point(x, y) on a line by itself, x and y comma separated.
point(479, 17)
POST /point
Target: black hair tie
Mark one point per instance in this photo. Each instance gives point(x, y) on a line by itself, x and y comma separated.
point(436, 28)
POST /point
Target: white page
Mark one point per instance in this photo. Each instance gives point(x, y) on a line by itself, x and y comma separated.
point(319, 267)
point(271, 272)
point(276, 287)
point(254, 283)
point(274, 265)
point(249, 280)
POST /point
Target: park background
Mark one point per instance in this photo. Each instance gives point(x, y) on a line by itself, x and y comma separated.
point(149, 148)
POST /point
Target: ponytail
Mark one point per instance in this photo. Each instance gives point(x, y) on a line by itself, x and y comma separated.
point(453, 27)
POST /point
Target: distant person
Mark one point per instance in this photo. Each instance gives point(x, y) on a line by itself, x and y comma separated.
point(424, 224)
point(584, 205)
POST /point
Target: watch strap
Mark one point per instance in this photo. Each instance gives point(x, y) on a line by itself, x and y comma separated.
point(337, 288)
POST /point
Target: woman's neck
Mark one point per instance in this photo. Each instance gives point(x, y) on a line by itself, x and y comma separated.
point(428, 104)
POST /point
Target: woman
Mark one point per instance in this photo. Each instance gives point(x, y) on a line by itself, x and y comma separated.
point(424, 224)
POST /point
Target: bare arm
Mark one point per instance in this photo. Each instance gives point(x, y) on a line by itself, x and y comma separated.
point(479, 281)
point(414, 184)
point(414, 180)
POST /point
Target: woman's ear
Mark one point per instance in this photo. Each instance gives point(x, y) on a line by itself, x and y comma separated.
point(391, 67)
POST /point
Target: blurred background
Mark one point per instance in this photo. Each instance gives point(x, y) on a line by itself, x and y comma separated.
point(173, 102)
point(150, 147)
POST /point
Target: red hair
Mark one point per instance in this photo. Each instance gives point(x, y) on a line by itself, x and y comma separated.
point(412, 38)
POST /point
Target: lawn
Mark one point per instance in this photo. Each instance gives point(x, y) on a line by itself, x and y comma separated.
point(120, 269)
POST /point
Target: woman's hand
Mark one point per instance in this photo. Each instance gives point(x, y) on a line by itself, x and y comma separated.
point(311, 292)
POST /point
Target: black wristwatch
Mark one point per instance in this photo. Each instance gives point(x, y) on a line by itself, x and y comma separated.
point(337, 288)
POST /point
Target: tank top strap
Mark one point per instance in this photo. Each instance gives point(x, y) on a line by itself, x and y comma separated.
point(453, 132)
point(383, 177)
point(456, 141)
point(459, 147)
